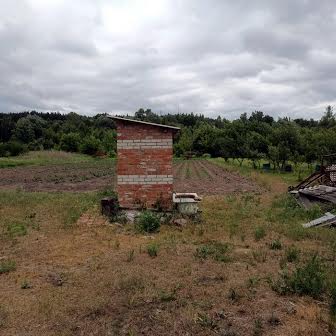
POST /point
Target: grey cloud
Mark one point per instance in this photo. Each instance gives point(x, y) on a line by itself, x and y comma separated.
point(217, 57)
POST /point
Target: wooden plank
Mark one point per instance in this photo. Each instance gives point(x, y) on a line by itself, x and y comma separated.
point(326, 220)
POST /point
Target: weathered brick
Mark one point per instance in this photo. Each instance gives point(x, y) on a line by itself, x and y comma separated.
point(144, 165)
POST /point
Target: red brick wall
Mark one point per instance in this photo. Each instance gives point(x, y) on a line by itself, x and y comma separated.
point(144, 165)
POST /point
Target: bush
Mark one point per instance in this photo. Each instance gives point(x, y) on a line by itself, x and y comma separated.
point(12, 148)
point(91, 146)
point(216, 250)
point(3, 150)
point(306, 280)
point(148, 222)
point(70, 142)
point(259, 233)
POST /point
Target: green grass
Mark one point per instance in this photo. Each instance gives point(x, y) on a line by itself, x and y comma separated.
point(7, 266)
point(24, 211)
point(292, 254)
point(42, 158)
point(153, 249)
point(246, 168)
point(259, 233)
point(217, 251)
point(147, 222)
point(308, 279)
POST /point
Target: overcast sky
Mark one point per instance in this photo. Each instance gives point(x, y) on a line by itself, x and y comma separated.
point(217, 57)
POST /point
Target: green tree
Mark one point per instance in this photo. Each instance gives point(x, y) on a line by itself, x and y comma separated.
point(91, 145)
point(70, 142)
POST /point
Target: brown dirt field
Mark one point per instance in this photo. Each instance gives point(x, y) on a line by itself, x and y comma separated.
point(66, 177)
point(96, 278)
point(206, 178)
point(200, 176)
point(104, 292)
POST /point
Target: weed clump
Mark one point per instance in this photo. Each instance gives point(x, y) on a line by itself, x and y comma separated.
point(167, 296)
point(3, 316)
point(206, 321)
point(152, 250)
point(7, 266)
point(259, 255)
point(16, 229)
point(233, 295)
point(130, 255)
point(25, 284)
point(218, 251)
point(259, 233)
point(292, 254)
point(276, 245)
point(148, 222)
point(131, 283)
point(258, 327)
point(308, 279)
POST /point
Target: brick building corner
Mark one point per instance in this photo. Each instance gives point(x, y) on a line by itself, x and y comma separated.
point(144, 164)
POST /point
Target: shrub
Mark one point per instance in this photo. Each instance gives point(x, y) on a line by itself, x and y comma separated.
point(306, 280)
point(259, 233)
point(91, 145)
point(3, 150)
point(70, 142)
point(16, 148)
point(148, 222)
point(276, 245)
point(7, 266)
point(292, 254)
point(216, 250)
point(12, 148)
point(152, 250)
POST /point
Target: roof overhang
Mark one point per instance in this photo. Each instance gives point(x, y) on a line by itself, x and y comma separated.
point(173, 128)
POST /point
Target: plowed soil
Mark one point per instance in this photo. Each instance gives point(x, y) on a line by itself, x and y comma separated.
point(66, 177)
point(200, 176)
point(206, 178)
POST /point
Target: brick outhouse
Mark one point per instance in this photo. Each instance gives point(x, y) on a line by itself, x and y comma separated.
point(144, 164)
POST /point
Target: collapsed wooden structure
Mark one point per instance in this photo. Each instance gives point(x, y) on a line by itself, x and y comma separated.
point(319, 186)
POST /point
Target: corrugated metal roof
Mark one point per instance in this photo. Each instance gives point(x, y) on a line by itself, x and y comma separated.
point(144, 122)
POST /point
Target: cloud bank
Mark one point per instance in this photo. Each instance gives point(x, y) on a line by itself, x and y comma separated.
point(216, 57)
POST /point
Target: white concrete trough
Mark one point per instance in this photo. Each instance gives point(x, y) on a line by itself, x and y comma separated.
point(187, 203)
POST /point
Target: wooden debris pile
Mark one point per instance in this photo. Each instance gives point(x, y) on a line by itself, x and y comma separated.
point(318, 187)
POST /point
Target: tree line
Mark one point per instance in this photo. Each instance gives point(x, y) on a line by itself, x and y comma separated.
point(255, 137)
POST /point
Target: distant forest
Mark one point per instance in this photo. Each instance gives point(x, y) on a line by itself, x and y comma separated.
point(256, 136)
